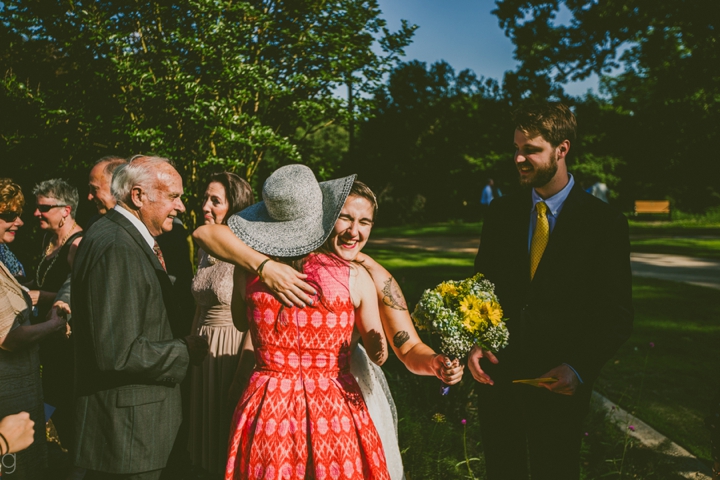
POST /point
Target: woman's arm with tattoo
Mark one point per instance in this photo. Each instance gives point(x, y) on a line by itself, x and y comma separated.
point(417, 356)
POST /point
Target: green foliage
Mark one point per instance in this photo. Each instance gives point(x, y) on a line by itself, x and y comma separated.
point(212, 84)
point(433, 138)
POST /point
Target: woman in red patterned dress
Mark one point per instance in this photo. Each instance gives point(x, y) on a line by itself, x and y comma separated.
point(302, 414)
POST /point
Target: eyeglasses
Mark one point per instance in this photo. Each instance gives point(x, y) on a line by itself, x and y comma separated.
point(47, 208)
point(9, 216)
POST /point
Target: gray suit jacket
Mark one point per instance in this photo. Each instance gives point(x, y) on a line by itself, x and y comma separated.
point(128, 366)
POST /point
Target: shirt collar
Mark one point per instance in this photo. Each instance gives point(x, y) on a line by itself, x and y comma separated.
point(554, 203)
point(137, 224)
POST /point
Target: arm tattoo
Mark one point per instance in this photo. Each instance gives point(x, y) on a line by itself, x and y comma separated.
point(392, 295)
point(400, 338)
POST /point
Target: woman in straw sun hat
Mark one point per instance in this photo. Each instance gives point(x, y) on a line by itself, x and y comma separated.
point(302, 414)
point(351, 232)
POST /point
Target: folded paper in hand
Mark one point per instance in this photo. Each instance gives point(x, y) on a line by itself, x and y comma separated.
point(536, 382)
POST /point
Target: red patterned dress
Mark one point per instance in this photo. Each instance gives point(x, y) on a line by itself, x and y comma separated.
point(303, 415)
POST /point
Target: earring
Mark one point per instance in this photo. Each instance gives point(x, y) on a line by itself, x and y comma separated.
point(62, 222)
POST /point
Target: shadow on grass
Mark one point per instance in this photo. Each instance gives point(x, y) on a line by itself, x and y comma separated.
point(677, 332)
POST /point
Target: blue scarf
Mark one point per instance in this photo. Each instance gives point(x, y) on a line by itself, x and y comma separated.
point(10, 261)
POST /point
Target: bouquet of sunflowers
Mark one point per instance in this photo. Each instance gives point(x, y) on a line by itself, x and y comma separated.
point(463, 314)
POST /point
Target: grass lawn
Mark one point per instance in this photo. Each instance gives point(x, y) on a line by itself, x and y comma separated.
point(669, 386)
point(691, 247)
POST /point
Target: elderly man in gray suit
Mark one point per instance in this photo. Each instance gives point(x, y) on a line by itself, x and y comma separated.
point(128, 366)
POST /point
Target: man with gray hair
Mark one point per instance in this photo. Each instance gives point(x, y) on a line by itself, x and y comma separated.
point(128, 365)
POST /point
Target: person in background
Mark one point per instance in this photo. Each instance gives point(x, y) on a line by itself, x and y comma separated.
point(600, 190)
point(210, 408)
point(490, 192)
point(19, 357)
point(129, 366)
point(56, 203)
point(99, 184)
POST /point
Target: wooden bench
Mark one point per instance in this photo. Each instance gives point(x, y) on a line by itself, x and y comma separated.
point(653, 207)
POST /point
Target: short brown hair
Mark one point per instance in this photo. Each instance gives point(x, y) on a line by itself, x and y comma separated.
point(359, 189)
point(553, 121)
point(11, 196)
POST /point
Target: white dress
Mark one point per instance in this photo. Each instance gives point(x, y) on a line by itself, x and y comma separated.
point(381, 407)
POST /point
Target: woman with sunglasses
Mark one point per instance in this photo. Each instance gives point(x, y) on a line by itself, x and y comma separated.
point(19, 360)
point(56, 202)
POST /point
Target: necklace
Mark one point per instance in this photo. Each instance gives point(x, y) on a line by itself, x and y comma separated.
point(40, 281)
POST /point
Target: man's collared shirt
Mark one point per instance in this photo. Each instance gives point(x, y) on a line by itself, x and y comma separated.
point(137, 224)
point(554, 207)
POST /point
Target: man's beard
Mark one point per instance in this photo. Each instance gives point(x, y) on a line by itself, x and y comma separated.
point(541, 175)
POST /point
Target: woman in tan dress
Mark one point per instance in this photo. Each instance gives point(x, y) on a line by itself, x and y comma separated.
point(210, 411)
point(20, 383)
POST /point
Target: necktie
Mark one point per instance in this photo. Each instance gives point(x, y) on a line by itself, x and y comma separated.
point(159, 255)
point(540, 237)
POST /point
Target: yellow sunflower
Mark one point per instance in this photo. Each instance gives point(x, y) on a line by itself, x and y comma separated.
point(491, 311)
point(447, 290)
point(470, 307)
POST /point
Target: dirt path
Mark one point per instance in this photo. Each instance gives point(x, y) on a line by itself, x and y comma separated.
point(676, 268)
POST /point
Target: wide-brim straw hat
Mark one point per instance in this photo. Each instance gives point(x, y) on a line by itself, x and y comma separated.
point(297, 213)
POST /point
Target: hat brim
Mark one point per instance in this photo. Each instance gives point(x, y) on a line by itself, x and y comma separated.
point(294, 238)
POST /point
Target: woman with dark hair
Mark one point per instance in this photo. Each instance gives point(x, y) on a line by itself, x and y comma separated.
point(19, 360)
point(56, 203)
point(210, 410)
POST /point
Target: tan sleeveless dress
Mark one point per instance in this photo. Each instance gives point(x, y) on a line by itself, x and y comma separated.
point(210, 413)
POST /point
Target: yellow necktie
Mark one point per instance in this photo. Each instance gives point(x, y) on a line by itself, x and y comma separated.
point(540, 237)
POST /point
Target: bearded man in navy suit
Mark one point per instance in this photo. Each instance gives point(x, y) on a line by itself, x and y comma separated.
point(560, 262)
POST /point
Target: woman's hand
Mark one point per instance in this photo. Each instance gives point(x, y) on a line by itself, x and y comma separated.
point(34, 296)
point(288, 284)
point(449, 371)
point(18, 432)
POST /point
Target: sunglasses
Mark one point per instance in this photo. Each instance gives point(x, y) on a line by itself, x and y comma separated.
point(47, 208)
point(9, 216)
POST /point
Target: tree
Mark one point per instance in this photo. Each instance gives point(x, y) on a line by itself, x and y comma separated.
point(667, 95)
point(212, 84)
point(432, 139)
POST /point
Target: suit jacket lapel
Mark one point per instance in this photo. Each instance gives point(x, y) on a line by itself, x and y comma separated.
point(135, 234)
point(561, 234)
point(521, 224)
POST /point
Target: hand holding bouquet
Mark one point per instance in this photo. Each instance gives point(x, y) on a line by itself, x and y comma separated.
point(463, 314)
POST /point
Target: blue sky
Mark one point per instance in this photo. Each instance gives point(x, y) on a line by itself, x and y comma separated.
point(463, 33)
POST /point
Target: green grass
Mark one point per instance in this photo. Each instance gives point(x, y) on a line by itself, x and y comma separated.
point(671, 393)
point(670, 385)
point(452, 229)
point(692, 247)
